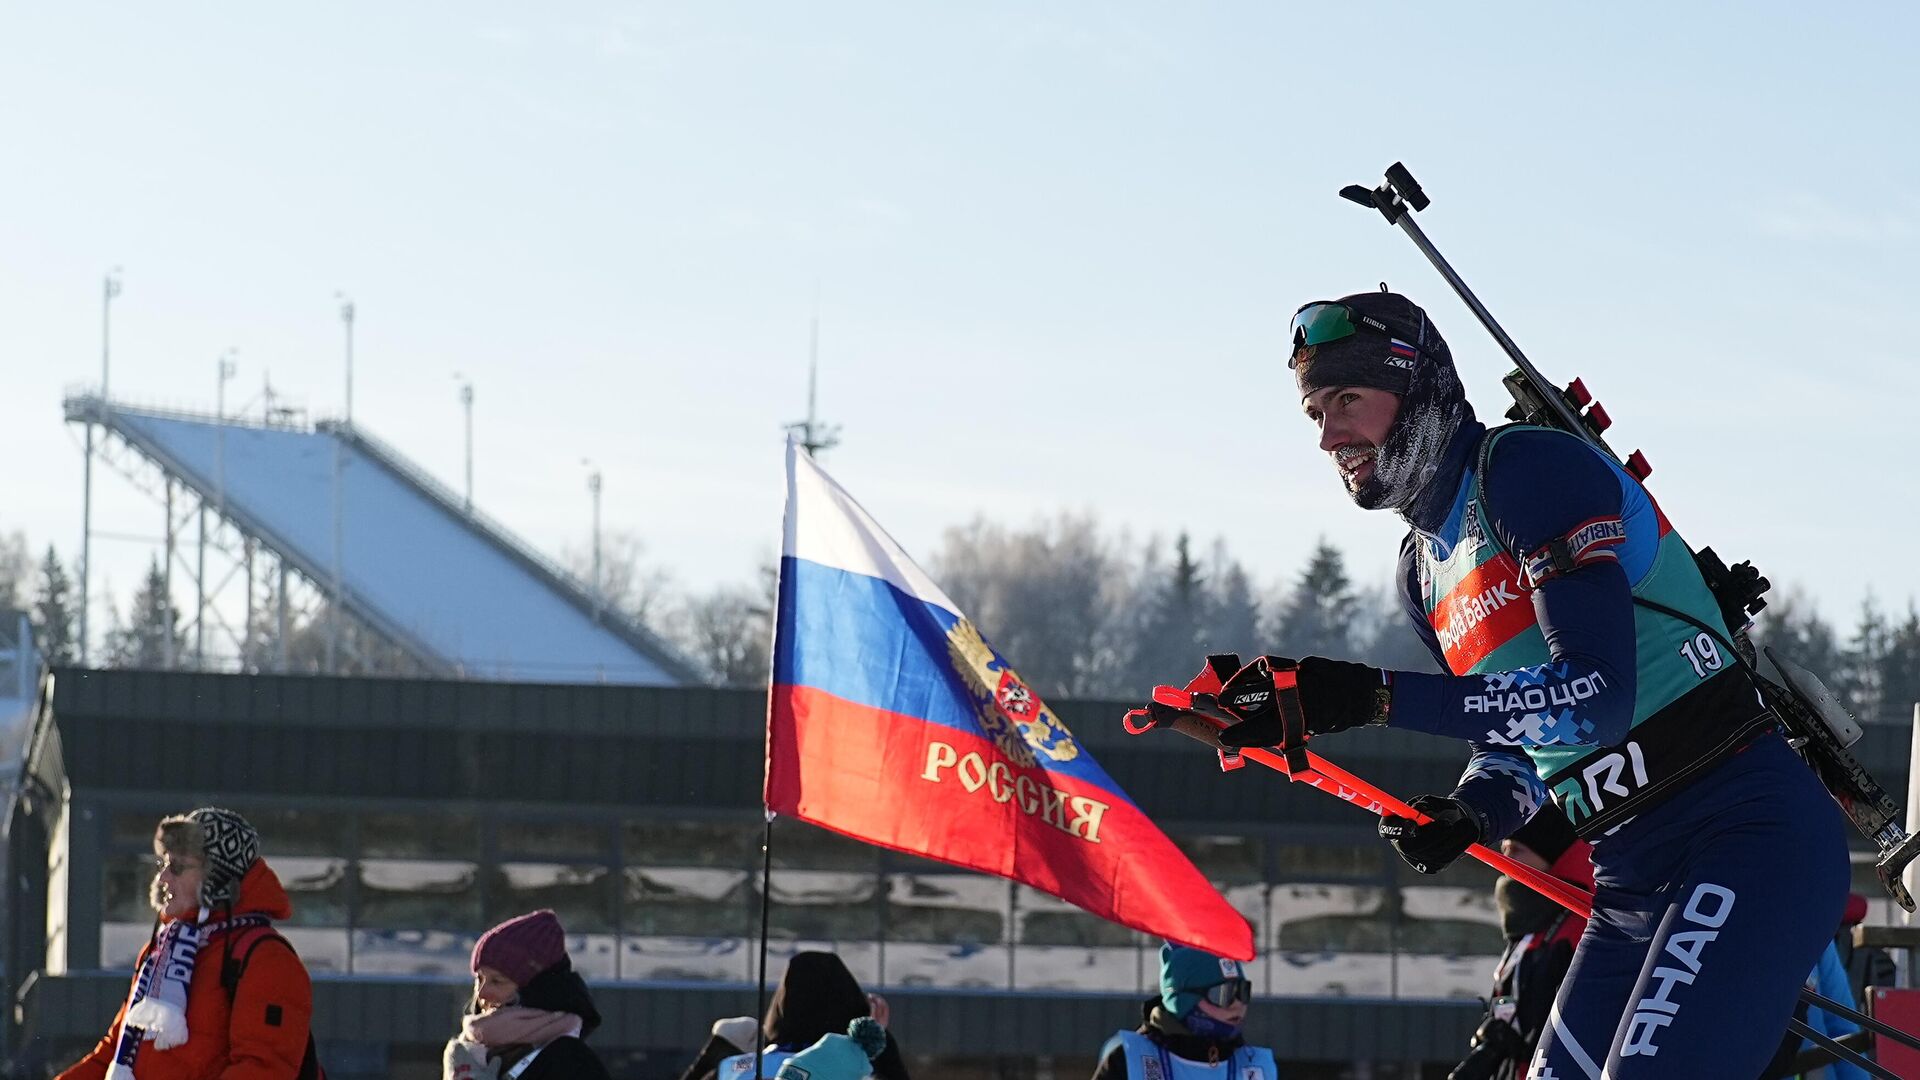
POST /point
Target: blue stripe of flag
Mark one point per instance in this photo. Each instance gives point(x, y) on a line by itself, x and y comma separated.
point(860, 638)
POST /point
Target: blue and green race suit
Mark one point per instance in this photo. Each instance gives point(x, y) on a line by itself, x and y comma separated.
point(1719, 863)
point(1519, 592)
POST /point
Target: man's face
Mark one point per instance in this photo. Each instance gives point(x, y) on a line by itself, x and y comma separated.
point(1353, 423)
point(175, 892)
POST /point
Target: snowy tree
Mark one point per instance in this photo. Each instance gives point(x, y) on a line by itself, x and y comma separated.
point(629, 584)
point(1233, 619)
point(151, 636)
point(1899, 674)
point(1053, 599)
point(1792, 626)
point(16, 569)
point(729, 632)
point(263, 649)
point(53, 627)
point(1383, 635)
point(1174, 611)
point(1317, 618)
point(1860, 676)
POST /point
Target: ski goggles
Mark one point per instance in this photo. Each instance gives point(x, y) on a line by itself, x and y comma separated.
point(1225, 993)
point(1329, 320)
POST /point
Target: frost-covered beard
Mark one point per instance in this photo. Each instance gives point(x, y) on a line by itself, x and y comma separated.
point(1432, 409)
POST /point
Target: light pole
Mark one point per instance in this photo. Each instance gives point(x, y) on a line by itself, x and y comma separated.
point(220, 510)
point(334, 627)
point(346, 320)
point(593, 486)
point(109, 288)
point(228, 367)
point(466, 403)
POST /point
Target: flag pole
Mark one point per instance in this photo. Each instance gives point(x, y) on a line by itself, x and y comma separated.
point(766, 905)
point(766, 772)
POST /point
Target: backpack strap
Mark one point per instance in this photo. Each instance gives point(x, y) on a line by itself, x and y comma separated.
point(232, 967)
point(1482, 455)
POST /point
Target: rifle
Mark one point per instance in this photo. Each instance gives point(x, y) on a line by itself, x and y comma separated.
point(1817, 725)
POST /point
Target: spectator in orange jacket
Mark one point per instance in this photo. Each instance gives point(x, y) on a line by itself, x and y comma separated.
point(217, 993)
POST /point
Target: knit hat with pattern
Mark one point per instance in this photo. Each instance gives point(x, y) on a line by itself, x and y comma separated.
point(231, 848)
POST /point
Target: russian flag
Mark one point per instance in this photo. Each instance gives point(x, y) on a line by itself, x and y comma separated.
point(892, 720)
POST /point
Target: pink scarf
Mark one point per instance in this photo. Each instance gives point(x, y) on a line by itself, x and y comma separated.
point(517, 1025)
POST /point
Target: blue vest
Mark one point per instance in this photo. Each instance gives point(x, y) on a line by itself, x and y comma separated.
point(740, 1066)
point(1148, 1060)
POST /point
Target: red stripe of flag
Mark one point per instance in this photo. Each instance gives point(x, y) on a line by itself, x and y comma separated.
point(941, 793)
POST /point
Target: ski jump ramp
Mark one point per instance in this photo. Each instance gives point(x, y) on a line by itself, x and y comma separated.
point(396, 549)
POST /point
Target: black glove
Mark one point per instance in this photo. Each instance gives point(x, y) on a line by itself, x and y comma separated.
point(1334, 695)
point(1429, 848)
point(1493, 1045)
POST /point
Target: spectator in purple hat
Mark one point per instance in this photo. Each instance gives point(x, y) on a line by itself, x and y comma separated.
point(530, 1011)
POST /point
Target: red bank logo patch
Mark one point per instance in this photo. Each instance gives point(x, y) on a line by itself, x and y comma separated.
point(1482, 613)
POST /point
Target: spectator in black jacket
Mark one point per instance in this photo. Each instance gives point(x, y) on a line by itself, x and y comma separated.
point(817, 996)
point(1541, 936)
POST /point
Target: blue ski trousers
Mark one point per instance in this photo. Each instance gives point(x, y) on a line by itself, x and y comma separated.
point(1709, 911)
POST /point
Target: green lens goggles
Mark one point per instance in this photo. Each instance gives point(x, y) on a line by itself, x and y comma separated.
point(1323, 321)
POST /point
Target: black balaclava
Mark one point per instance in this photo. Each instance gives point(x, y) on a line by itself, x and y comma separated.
point(1522, 911)
point(1547, 834)
point(1433, 404)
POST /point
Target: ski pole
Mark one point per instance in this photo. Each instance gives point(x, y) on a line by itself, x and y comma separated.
point(1840, 1051)
point(1809, 1060)
point(1338, 782)
point(1878, 1027)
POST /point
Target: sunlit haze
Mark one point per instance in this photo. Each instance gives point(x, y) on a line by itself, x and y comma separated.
point(1052, 253)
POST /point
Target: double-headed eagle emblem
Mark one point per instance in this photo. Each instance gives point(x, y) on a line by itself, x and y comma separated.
point(1012, 714)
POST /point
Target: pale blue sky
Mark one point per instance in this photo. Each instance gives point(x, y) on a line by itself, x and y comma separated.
point(1054, 250)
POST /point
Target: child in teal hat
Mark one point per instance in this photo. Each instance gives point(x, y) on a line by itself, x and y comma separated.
point(1186, 978)
point(1193, 1028)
